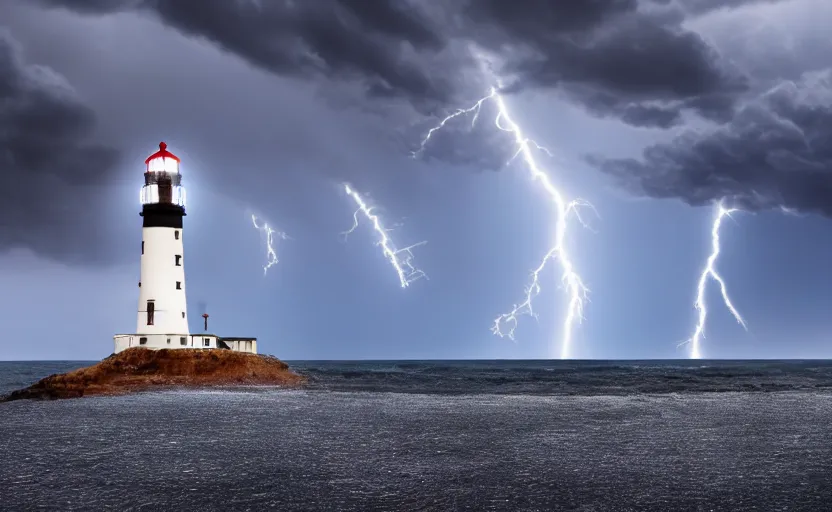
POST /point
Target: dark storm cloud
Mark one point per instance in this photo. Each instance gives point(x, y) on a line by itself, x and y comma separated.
point(47, 166)
point(611, 56)
point(614, 56)
point(383, 46)
point(347, 39)
point(777, 152)
point(704, 6)
point(94, 6)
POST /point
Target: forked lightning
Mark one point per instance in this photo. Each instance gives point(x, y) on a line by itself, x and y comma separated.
point(401, 259)
point(270, 233)
point(575, 288)
point(461, 112)
point(710, 271)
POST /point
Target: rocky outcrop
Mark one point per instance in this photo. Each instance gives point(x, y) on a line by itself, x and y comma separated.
point(141, 369)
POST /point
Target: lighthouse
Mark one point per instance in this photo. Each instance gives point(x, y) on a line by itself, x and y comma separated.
point(162, 313)
point(162, 301)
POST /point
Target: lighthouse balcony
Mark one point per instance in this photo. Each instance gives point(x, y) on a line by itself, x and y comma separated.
point(174, 341)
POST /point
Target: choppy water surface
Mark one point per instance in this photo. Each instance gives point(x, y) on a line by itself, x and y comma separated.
point(435, 436)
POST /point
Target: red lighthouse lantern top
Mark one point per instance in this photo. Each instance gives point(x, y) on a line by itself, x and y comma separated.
point(162, 160)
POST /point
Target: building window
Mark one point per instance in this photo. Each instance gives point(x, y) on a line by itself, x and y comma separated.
point(151, 310)
point(140, 284)
point(178, 285)
point(142, 341)
point(183, 314)
point(176, 234)
point(183, 341)
point(178, 260)
point(206, 342)
point(142, 246)
point(168, 341)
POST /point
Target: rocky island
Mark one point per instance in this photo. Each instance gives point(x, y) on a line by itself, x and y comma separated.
point(140, 369)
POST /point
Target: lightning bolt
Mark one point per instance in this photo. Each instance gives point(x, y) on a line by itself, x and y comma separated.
point(400, 259)
point(270, 233)
point(461, 112)
point(573, 284)
point(710, 271)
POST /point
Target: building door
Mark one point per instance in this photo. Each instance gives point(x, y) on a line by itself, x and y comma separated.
point(151, 310)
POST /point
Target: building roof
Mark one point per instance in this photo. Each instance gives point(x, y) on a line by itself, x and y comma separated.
point(162, 153)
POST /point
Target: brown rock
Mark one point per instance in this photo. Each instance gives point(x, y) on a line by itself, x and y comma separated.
point(140, 369)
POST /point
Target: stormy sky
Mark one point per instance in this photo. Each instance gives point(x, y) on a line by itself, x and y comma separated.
point(652, 110)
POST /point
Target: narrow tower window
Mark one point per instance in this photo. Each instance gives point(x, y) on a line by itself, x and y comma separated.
point(176, 234)
point(142, 246)
point(151, 309)
point(178, 285)
point(178, 260)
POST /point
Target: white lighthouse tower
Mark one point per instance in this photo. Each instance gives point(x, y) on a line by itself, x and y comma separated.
point(162, 319)
point(162, 303)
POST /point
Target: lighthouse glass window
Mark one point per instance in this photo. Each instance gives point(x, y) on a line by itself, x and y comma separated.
point(150, 195)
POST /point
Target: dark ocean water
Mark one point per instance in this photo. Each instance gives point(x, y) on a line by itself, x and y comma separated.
point(435, 435)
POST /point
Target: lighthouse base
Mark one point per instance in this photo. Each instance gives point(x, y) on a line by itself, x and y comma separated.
point(175, 341)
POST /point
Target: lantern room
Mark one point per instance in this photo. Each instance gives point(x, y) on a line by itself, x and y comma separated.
point(162, 181)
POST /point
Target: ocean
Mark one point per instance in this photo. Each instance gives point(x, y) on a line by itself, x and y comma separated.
point(435, 435)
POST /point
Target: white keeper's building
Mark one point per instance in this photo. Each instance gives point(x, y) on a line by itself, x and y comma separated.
point(162, 320)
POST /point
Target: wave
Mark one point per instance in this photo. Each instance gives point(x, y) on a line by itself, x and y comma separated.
point(568, 378)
